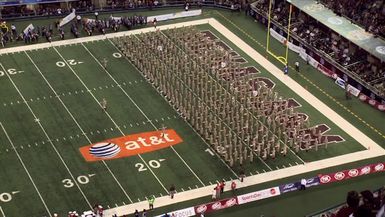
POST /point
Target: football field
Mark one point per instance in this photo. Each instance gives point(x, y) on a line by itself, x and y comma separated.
point(51, 107)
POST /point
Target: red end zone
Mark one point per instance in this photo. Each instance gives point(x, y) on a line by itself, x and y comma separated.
point(130, 145)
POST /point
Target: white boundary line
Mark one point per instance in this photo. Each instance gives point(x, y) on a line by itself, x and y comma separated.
point(216, 154)
point(26, 170)
point(141, 111)
point(47, 136)
point(78, 125)
point(117, 127)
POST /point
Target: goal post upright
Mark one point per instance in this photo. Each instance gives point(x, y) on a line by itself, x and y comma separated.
point(281, 59)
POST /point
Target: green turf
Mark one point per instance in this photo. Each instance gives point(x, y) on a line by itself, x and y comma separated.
point(42, 158)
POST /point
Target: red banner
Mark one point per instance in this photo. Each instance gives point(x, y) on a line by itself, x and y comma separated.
point(372, 102)
point(326, 71)
point(217, 205)
point(352, 173)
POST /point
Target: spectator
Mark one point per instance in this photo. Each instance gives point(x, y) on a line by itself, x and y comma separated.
point(303, 184)
point(352, 201)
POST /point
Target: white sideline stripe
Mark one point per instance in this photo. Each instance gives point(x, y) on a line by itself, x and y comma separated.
point(73, 118)
point(216, 154)
point(93, 96)
point(141, 111)
point(47, 136)
point(374, 151)
point(26, 170)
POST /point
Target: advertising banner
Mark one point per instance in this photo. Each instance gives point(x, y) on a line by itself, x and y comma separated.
point(181, 213)
point(29, 27)
point(340, 82)
point(129, 145)
point(312, 182)
point(352, 173)
point(217, 205)
point(289, 187)
point(258, 195)
point(177, 15)
point(67, 19)
point(326, 71)
point(354, 91)
point(372, 102)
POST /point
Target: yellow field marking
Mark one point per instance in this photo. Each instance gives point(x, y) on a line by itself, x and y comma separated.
point(304, 77)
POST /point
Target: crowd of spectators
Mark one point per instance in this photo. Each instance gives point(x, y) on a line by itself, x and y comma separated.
point(368, 13)
point(363, 204)
point(87, 26)
point(332, 45)
point(48, 9)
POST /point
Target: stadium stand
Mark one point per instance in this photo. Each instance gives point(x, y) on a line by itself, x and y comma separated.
point(363, 204)
point(332, 45)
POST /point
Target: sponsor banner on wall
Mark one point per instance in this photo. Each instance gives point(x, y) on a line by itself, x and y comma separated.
point(354, 91)
point(282, 39)
point(181, 213)
point(277, 36)
point(289, 187)
point(312, 182)
point(294, 186)
point(177, 15)
point(352, 173)
point(258, 195)
point(372, 102)
point(340, 82)
point(326, 71)
point(217, 205)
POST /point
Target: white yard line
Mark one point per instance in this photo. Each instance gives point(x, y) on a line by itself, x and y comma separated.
point(26, 170)
point(96, 100)
point(76, 122)
point(141, 111)
point(185, 121)
point(47, 136)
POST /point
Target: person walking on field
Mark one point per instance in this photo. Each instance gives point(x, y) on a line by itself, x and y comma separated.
point(172, 191)
point(233, 187)
point(222, 186)
point(151, 201)
point(296, 66)
point(103, 104)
